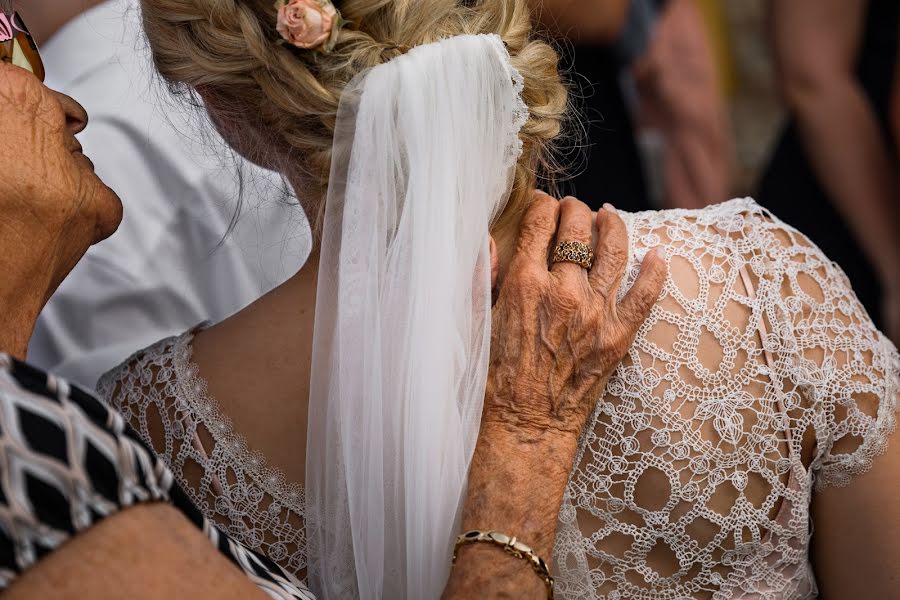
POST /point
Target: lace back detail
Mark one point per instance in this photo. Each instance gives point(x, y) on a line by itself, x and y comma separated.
point(160, 392)
point(757, 379)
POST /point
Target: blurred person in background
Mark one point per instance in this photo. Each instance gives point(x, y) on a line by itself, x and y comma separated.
point(656, 131)
point(178, 259)
point(833, 173)
point(680, 100)
point(605, 163)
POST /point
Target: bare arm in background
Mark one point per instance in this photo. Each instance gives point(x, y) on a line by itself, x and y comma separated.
point(895, 112)
point(680, 95)
point(587, 21)
point(816, 46)
point(892, 297)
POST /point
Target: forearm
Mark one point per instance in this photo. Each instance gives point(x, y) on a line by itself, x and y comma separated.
point(147, 551)
point(816, 47)
point(852, 162)
point(516, 488)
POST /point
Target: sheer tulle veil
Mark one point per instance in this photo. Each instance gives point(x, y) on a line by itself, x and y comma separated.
point(424, 152)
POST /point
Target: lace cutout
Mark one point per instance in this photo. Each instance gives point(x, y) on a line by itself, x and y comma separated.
point(229, 482)
point(757, 378)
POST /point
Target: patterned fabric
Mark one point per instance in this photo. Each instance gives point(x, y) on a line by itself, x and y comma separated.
point(757, 379)
point(67, 462)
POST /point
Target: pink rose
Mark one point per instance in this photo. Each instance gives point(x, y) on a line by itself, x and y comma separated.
point(306, 23)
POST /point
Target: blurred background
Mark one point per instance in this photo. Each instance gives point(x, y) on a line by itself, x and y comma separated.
point(687, 103)
point(676, 104)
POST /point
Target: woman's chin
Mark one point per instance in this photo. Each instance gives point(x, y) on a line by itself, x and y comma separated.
point(84, 160)
point(109, 213)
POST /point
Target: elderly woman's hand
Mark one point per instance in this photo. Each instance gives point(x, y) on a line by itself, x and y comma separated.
point(53, 206)
point(558, 333)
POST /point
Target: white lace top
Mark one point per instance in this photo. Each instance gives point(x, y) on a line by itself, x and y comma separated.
point(159, 391)
point(757, 379)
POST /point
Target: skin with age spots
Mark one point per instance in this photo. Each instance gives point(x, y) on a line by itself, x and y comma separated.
point(559, 335)
point(53, 206)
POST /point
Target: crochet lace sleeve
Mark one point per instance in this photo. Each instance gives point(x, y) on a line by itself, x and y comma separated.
point(849, 369)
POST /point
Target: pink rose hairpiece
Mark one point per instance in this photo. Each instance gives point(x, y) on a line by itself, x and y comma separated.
point(309, 24)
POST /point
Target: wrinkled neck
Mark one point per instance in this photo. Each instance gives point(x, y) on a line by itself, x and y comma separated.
point(28, 281)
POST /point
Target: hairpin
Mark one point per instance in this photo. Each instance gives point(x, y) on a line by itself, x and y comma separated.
point(309, 24)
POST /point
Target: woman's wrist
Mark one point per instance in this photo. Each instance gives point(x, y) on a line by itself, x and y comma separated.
point(502, 493)
point(516, 482)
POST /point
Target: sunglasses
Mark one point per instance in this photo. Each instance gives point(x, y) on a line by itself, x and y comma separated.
point(17, 47)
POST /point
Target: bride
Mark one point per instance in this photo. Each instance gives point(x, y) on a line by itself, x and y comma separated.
point(752, 410)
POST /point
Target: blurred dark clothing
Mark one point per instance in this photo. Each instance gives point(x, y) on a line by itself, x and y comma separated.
point(608, 167)
point(791, 189)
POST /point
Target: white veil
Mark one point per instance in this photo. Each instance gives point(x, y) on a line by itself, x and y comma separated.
point(424, 151)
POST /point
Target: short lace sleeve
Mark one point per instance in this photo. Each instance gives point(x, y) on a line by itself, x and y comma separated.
point(849, 369)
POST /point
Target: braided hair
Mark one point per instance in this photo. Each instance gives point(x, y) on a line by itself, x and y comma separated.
point(278, 104)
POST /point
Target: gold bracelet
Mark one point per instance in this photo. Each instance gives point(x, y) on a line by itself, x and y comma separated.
point(512, 546)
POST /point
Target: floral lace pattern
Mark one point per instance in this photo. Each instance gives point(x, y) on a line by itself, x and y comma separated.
point(237, 489)
point(757, 379)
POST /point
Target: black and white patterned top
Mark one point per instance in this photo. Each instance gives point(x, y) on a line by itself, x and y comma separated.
point(68, 461)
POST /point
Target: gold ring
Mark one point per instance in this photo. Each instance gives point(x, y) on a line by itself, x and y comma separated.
point(574, 252)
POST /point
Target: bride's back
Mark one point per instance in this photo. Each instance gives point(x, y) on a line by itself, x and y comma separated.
point(757, 377)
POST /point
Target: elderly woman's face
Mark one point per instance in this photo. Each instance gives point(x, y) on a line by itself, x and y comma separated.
point(51, 195)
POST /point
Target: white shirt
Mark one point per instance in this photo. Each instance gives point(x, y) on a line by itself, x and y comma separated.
point(173, 262)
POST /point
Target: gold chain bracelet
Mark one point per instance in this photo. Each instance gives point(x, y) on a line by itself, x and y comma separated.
point(512, 546)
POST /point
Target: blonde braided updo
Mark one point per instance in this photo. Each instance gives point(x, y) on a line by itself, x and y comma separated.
point(277, 104)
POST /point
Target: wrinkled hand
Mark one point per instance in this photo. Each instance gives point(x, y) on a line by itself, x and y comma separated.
point(558, 332)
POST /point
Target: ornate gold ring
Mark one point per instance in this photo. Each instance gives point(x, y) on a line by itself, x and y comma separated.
point(574, 252)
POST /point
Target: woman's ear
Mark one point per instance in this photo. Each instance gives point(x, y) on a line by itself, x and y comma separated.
point(495, 263)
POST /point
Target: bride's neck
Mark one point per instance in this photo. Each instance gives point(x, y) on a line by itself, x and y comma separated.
point(273, 336)
point(257, 365)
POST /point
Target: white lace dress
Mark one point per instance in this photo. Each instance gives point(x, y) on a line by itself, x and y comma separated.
point(757, 380)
